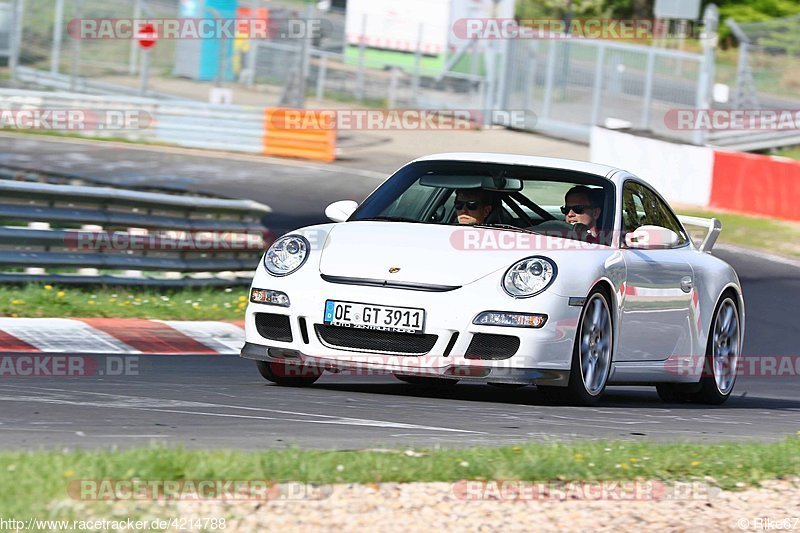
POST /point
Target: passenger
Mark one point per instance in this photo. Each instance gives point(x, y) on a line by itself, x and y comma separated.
point(473, 206)
point(582, 206)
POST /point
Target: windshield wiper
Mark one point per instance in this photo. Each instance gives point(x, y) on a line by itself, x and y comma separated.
point(503, 226)
point(388, 219)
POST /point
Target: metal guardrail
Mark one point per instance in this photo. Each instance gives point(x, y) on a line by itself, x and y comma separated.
point(216, 127)
point(177, 122)
point(86, 234)
point(63, 82)
point(36, 175)
point(749, 141)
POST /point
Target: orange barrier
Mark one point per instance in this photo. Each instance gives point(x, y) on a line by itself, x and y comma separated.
point(756, 184)
point(302, 133)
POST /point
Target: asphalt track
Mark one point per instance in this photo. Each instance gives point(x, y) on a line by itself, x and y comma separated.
point(221, 401)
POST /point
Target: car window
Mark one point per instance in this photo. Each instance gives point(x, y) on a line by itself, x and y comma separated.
point(425, 192)
point(642, 206)
point(412, 203)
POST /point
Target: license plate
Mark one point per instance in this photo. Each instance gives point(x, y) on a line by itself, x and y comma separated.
point(369, 316)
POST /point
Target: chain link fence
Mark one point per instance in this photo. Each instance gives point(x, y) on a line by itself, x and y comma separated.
point(46, 43)
point(569, 84)
point(574, 84)
point(762, 77)
point(766, 73)
point(329, 76)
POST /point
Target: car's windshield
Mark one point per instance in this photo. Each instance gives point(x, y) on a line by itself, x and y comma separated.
point(520, 197)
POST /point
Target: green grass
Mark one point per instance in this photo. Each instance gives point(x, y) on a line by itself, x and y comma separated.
point(769, 234)
point(29, 481)
point(792, 152)
point(35, 300)
point(90, 136)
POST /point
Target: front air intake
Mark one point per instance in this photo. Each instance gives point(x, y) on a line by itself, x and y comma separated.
point(274, 327)
point(489, 346)
point(374, 341)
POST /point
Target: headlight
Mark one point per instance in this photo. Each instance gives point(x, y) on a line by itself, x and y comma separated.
point(514, 320)
point(529, 277)
point(266, 296)
point(286, 255)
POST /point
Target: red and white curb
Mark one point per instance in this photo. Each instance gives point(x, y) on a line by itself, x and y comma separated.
point(119, 336)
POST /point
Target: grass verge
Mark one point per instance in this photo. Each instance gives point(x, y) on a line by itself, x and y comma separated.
point(34, 300)
point(87, 137)
point(29, 481)
point(792, 152)
point(772, 235)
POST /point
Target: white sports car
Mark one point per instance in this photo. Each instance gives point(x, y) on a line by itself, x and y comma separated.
point(424, 281)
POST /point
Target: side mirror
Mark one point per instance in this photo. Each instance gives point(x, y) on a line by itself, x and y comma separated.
point(341, 210)
point(651, 237)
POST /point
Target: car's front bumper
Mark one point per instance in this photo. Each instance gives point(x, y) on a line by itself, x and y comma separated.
point(300, 364)
point(544, 354)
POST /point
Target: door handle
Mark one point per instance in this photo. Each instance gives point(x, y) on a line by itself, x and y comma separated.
point(686, 284)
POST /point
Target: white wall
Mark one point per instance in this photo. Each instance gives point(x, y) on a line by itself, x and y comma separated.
point(681, 173)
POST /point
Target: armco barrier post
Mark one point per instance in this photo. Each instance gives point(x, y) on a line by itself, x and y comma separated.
point(705, 80)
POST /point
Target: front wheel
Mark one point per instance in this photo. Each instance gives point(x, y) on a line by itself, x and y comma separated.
point(591, 356)
point(287, 374)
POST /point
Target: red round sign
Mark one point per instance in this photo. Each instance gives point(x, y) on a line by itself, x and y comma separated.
point(146, 36)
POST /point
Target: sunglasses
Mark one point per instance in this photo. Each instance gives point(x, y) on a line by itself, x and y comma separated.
point(472, 205)
point(579, 209)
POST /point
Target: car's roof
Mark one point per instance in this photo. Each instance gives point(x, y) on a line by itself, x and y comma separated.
point(527, 160)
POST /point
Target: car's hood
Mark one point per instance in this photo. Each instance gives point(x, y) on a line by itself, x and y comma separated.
point(423, 253)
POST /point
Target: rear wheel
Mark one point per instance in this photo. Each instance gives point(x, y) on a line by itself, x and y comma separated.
point(591, 356)
point(290, 375)
point(722, 355)
point(721, 359)
point(424, 381)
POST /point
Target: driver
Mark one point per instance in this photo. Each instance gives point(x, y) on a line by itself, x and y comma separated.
point(582, 205)
point(473, 205)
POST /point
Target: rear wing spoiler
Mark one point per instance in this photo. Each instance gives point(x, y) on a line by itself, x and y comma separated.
point(712, 225)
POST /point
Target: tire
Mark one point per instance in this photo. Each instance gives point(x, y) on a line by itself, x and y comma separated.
point(722, 354)
point(287, 375)
point(426, 381)
point(591, 355)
